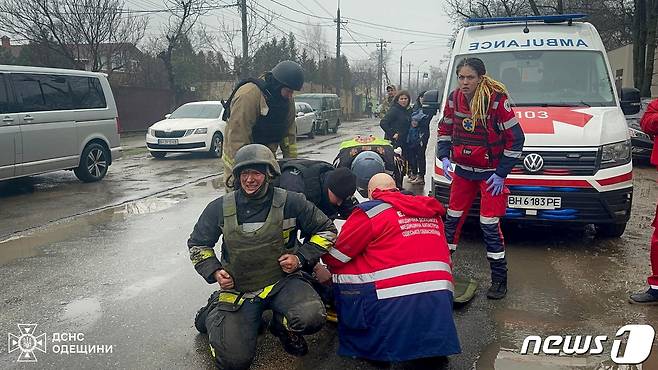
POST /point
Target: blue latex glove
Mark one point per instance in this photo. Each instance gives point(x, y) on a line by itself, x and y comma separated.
point(496, 184)
point(447, 166)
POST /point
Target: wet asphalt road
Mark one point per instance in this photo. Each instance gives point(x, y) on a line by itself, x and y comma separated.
point(109, 260)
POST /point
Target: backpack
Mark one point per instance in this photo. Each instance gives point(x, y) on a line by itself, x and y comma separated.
point(227, 103)
point(311, 171)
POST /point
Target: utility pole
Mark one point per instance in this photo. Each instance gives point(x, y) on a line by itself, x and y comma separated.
point(338, 23)
point(245, 44)
point(380, 66)
point(409, 78)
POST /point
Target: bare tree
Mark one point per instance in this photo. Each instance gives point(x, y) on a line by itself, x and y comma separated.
point(315, 39)
point(364, 76)
point(93, 30)
point(646, 76)
point(183, 17)
point(258, 27)
point(485, 8)
point(612, 18)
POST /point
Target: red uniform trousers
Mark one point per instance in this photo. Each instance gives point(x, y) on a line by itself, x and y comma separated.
point(462, 193)
point(653, 279)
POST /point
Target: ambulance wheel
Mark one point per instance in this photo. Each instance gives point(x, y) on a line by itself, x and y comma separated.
point(611, 230)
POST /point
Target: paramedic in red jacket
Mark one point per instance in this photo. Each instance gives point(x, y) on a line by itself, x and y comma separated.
point(392, 278)
point(480, 134)
point(649, 124)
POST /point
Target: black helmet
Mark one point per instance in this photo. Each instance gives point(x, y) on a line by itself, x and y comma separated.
point(431, 99)
point(366, 165)
point(255, 154)
point(289, 74)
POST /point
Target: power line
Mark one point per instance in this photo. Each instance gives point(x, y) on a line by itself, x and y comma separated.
point(294, 20)
point(304, 6)
point(301, 12)
point(403, 30)
point(354, 39)
point(323, 8)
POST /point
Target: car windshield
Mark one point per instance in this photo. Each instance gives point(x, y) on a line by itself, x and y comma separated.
point(206, 111)
point(315, 103)
point(547, 78)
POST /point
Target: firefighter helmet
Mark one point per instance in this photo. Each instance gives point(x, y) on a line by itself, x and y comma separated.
point(366, 165)
point(255, 154)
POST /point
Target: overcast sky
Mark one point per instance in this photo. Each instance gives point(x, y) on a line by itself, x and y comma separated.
point(366, 22)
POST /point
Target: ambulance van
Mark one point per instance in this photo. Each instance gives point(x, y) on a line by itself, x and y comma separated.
point(576, 165)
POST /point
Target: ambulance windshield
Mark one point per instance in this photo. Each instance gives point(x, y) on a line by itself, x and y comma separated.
point(549, 77)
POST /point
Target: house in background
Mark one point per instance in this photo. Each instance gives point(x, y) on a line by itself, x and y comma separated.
point(621, 62)
point(118, 60)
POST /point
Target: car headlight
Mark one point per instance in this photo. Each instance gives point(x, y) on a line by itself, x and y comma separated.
point(201, 131)
point(615, 154)
point(151, 132)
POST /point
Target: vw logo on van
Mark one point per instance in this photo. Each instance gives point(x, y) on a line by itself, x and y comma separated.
point(533, 162)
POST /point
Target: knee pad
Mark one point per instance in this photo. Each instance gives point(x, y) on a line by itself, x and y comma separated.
point(308, 318)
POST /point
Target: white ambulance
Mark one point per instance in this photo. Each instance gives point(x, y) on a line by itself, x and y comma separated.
point(576, 164)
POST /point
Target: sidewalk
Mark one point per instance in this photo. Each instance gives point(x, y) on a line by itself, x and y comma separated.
point(133, 140)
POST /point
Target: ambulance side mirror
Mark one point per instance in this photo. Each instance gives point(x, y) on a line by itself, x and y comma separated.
point(630, 100)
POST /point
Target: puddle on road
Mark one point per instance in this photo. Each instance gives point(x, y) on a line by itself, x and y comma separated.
point(151, 204)
point(32, 243)
point(83, 312)
point(138, 288)
point(216, 183)
point(496, 358)
point(508, 360)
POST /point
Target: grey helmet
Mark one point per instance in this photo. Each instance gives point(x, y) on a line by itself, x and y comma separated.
point(289, 74)
point(255, 154)
point(366, 165)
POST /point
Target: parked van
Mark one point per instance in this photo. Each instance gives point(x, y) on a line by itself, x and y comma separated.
point(56, 119)
point(327, 108)
point(576, 165)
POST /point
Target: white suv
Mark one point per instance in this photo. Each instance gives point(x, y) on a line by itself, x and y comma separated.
point(193, 127)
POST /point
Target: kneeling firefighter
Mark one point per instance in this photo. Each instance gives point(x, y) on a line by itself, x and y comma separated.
point(330, 189)
point(260, 262)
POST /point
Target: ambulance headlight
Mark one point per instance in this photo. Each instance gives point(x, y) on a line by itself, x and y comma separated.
point(615, 154)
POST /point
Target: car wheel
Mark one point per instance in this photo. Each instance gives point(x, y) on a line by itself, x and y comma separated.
point(158, 155)
point(216, 146)
point(611, 230)
point(311, 133)
point(335, 129)
point(93, 163)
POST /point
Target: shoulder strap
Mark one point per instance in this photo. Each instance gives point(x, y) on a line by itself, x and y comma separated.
point(227, 103)
point(497, 98)
point(279, 199)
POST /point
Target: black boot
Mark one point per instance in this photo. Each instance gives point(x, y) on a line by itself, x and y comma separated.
point(200, 318)
point(293, 343)
point(498, 290)
point(650, 297)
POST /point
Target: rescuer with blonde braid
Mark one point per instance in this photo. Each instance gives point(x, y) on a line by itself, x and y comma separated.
point(479, 132)
point(480, 102)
